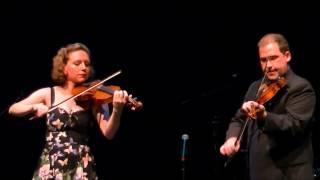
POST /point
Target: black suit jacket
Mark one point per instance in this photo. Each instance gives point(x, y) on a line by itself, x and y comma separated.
point(283, 139)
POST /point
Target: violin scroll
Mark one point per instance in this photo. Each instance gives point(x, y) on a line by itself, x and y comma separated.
point(134, 104)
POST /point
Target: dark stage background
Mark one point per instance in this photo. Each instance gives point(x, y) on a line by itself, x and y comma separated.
point(190, 63)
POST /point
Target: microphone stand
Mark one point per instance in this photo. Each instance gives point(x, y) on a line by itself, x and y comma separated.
point(183, 170)
point(184, 138)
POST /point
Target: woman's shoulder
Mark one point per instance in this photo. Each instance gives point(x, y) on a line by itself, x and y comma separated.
point(40, 95)
point(44, 90)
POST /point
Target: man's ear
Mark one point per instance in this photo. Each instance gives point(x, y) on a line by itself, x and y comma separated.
point(288, 55)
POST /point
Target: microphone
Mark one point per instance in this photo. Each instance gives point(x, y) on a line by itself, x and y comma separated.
point(184, 138)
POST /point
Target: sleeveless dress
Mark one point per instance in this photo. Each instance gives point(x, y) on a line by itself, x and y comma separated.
point(66, 154)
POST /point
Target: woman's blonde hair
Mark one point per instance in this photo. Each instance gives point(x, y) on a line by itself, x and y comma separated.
point(61, 58)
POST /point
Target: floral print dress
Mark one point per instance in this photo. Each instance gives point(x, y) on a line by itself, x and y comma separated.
point(66, 154)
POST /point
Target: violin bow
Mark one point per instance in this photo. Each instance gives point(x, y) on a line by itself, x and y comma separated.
point(88, 89)
point(239, 138)
point(79, 94)
point(244, 127)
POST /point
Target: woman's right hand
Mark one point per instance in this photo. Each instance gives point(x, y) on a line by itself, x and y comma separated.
point(39, 110)
point(230, 147)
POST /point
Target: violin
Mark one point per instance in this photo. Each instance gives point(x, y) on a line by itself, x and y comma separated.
point(101, 94)
point(267, 92)
point(104, 94)
point(270, 91)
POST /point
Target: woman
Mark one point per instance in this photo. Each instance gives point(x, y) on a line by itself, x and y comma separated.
point(66, 154)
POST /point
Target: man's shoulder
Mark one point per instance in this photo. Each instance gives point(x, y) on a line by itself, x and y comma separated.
point(256, 83)
point(295, 81)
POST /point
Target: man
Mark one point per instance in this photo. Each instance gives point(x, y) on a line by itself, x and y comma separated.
point(279, 131)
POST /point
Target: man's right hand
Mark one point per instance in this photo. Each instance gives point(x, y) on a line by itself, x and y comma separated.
point(230, 147)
